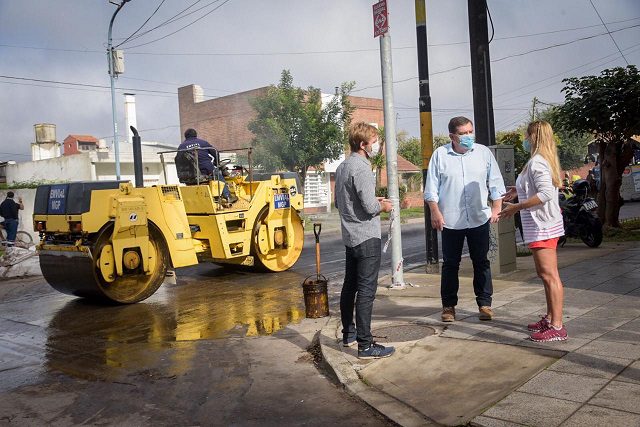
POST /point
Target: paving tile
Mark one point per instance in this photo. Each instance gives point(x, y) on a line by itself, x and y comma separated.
point(590, 366)
point(631, 374)
point(572, 344)
point(633, 325)
point(619, 285)
point(560, 385)
point(608, 348)
point(619, 395)
point(492, 422)
point(622, 336)
point(611, 311)
point(532, 410)
point(591, 327)
point(595, 416)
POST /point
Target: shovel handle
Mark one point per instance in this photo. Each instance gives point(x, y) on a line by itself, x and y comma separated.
point(317, 227)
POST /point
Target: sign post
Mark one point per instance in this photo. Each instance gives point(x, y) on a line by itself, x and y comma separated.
point(381, 29)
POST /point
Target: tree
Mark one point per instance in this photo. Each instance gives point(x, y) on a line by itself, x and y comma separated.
point(294, 131)
point(514, 137)
point(572, 147)
point(607, 107)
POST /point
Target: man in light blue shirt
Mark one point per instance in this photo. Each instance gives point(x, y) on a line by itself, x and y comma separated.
point(462, 176)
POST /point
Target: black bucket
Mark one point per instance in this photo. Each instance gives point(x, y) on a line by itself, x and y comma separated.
point(316, 298)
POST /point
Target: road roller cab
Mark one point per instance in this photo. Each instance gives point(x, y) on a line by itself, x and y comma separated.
point(111, 241)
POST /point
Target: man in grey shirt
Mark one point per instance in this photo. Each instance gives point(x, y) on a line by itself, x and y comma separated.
point(360, 219)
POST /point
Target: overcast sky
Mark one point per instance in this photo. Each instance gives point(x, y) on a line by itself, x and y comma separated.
point(245, 44)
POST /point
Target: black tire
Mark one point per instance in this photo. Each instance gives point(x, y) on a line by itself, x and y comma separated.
point(591, 232)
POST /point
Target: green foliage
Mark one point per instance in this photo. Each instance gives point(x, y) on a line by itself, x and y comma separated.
point(383, 192)
point(514, 137)
point(28, 184)
point(607, 106)
point(294, 132)
point(572, 146)
point(411, 149)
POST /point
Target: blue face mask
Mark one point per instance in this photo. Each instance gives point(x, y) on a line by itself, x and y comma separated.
point(466, 141)
point(526, 145)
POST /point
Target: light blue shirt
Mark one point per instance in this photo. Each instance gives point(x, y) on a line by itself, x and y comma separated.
point(461, 185)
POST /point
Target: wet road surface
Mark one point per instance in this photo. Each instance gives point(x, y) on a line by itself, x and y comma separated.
point(220, 347)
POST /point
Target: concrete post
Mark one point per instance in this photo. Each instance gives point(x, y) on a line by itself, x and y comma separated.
point(502, 243)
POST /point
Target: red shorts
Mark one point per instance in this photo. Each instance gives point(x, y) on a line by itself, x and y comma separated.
point(545, 244)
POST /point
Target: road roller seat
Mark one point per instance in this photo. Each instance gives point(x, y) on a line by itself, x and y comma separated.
point(186, 166)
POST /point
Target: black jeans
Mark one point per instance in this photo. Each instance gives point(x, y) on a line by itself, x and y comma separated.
point(359, 289)
point(478, 243)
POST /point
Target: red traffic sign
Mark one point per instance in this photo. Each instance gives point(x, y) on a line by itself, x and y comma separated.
point(380, 18)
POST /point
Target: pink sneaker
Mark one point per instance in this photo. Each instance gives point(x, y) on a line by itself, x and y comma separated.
point(550, 334)
point(540, 325)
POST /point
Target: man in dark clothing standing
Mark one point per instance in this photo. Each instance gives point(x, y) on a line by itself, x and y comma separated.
point(360, 222)
point(9, 211)
point(207, 159)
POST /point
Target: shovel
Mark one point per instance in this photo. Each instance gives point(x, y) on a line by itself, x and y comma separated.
point(316, 299)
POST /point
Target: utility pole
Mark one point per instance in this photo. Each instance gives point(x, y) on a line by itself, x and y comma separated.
point(534, 109)
point(481, 72)
point(381, 29)
point(112, 76)
point(426, 130)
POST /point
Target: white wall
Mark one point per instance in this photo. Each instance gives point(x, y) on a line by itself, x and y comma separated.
point(65, 168)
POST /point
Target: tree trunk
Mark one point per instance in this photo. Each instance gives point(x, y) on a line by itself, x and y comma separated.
point(614, 157)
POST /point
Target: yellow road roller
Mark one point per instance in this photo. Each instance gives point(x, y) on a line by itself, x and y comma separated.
point(113, 241)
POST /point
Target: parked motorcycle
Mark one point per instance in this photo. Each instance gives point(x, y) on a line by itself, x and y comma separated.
point(579, 216)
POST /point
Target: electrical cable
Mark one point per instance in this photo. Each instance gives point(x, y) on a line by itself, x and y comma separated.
point(493, 30)
point(609, 32)
point(141, 26)
point(181, 28)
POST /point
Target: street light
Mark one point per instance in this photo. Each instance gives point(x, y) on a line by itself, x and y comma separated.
point(112, 73)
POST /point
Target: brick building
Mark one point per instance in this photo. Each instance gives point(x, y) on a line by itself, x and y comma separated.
point(76, 144)
point(223, 121)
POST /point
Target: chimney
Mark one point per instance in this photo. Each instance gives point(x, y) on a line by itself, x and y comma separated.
point(130, 114)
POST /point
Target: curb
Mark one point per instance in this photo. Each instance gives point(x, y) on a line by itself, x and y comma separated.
point(341, 369)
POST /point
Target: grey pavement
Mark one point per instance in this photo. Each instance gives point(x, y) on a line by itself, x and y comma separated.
point(490, 373)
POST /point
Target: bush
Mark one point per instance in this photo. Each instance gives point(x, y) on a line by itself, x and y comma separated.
point(383, 192)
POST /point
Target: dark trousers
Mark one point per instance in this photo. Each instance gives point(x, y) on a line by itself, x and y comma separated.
point(359, 290)
point(217, 174)
point(11, 225)
point(478, 243)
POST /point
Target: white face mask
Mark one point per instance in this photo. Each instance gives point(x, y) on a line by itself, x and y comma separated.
point(375, 149)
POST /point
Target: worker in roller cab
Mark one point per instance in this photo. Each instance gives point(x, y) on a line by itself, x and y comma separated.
point(208, 160)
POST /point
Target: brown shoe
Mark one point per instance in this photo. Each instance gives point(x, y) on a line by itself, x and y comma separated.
point(448, 314)
point(485, 313)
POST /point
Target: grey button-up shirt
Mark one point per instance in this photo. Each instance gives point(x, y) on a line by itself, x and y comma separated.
point(355, 197)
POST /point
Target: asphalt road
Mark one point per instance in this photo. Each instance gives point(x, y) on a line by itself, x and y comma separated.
point(219, 347)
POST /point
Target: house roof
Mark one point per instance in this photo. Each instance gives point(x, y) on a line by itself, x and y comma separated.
point(84, 138)
point(405, 165)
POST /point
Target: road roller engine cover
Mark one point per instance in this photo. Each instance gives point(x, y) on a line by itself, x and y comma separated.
point(111, 241)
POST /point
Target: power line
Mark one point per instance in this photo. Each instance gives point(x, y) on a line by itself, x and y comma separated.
point(176, 17)
point(608, 32)
point(141, 26)
point(276, 53)
point(181, 28)
point(503, 58)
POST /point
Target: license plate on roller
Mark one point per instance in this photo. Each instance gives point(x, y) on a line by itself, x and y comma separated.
point(281, 201)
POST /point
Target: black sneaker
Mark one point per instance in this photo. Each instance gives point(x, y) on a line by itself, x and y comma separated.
point(349, 340)
point(375, 351)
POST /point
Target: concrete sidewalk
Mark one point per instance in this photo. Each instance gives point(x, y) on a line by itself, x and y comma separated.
point(489, 373)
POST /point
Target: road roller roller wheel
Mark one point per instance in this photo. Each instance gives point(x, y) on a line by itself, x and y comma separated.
point(94, 276)
point(290, 242)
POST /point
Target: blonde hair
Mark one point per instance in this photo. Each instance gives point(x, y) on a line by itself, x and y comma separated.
point(542, 142)
point(360, 132)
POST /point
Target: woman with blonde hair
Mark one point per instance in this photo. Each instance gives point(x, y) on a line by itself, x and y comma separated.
point(537, 189)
